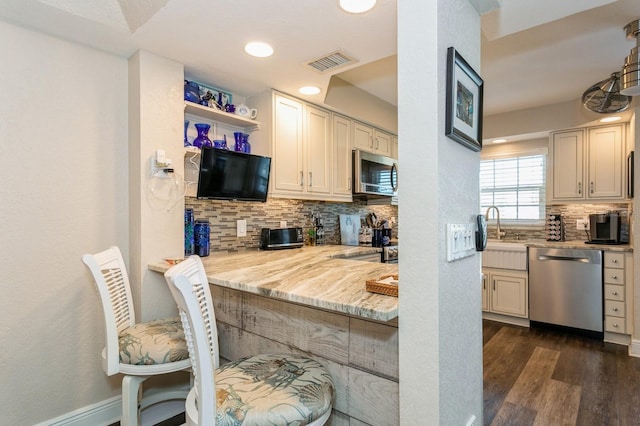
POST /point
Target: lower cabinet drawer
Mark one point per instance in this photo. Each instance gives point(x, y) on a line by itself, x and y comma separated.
point(613, 308)
point(614, 292)
point(614, 324)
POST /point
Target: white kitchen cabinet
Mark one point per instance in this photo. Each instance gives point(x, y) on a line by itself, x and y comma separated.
point(618, 290)
point(342, 178)
point(394, 147)
point(505, 292)
point(301, 147)
point(368, 138)
point(310, 149)
point(587, 164)
point(606, 153)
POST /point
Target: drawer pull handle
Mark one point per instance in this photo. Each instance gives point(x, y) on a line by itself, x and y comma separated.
point(615, 277)
point(614, 260)
point(615, 309)
point(615, 325)
point(615, 293)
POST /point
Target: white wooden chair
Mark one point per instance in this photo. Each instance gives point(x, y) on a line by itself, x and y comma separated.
point(137, 350)
point(267, 389)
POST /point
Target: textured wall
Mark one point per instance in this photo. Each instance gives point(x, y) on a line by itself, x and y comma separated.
point(63, 136)
point(222, 216)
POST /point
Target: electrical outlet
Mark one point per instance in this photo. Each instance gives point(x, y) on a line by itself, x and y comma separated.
point(241, 228)
point(283, 224)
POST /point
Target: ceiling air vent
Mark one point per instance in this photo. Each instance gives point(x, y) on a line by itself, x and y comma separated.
point(330, 61)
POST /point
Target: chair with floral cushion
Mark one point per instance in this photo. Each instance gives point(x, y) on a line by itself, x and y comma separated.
point(267, 389)
point(136, 350)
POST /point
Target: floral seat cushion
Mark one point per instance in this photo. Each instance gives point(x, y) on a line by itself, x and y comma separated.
point(295, 391)
point(154, 342)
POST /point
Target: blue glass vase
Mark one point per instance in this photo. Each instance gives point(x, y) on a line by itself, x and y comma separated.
point(186, 126)
point(203, 135)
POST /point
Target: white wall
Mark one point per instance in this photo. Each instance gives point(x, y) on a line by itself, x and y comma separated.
point(63, 192)
point(440, 303)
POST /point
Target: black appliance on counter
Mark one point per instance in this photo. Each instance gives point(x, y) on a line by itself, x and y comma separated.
point(281, 238)
point(604, 228)
point(390, 254)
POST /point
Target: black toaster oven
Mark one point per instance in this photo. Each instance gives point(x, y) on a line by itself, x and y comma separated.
point(281, 238)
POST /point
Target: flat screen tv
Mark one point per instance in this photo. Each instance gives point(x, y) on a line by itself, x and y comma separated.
point(231, 175)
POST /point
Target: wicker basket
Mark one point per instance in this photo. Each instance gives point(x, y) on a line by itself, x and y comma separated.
point(381, 287)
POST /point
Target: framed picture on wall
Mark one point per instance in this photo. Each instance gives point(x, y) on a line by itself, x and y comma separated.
point(464, 102)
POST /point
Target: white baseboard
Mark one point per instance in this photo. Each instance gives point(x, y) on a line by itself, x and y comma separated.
point(634, 348)
point(109, 411)
point(101, 413)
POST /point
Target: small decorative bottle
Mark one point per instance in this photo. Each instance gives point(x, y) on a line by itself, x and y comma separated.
point(186, 126)
point(189, 242)
point(201, 237)
point(203, 135)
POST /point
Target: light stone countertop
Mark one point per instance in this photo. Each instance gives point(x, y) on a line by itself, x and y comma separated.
point(322, 276)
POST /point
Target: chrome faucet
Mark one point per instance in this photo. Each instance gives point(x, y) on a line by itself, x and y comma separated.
point(499, 233)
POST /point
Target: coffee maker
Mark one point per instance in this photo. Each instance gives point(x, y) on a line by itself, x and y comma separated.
point(605, 228)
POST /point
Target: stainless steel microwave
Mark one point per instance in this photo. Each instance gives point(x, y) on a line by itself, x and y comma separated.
point(374, 175)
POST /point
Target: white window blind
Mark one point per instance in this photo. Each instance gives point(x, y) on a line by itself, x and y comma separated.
point(516, 185)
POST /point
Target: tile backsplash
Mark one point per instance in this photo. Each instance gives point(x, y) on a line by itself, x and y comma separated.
point(223, 215)
point(570, 214)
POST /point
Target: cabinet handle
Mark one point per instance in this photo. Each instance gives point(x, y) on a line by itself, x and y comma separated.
point(310, 180)
point(591, 187)
point(615, 309)
point(349, 184)
point(615, 277)
point(614, 260)
point(615, 293)
point(580, 188)
point(615, 325)
point(377, 143)
point(494, 285)
point(371, 141)
point(301, 178)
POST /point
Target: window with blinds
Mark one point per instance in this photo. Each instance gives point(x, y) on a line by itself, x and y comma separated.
point(516, 185)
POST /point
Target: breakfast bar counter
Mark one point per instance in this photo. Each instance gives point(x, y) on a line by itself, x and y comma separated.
point(313, 301)
point(320, 276)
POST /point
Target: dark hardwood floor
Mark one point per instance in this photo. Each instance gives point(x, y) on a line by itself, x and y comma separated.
point(543, 377)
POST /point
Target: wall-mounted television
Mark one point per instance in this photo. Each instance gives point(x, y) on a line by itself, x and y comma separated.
point(231, 175)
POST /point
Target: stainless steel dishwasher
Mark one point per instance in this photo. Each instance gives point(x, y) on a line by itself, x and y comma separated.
point(565, 289)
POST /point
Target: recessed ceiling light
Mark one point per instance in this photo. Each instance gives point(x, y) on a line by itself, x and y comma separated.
point(610, 119)
point(499, 141)
point(309, 90)
point(357, 6)
point(258, 49)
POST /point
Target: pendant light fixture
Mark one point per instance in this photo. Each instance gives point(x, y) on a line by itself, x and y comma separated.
point(630, 78)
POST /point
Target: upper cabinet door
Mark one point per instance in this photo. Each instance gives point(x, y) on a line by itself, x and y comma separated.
point(363, 137)
point(566, 155)
point(382, 142)
point(342, 156)
point(605, 162)
point(288, 156)
point(318, 150)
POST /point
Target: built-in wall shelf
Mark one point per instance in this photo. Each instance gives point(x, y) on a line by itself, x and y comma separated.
point(221, 116)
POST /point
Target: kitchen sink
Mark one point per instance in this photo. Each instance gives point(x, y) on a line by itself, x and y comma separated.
point(505, 254)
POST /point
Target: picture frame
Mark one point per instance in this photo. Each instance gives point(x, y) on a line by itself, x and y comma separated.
point(210, 96)
point(463, 121)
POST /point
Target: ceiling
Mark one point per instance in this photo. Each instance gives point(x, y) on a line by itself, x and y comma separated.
point(533, 53)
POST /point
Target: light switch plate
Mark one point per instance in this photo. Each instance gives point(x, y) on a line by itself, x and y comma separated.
point(461, 241)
